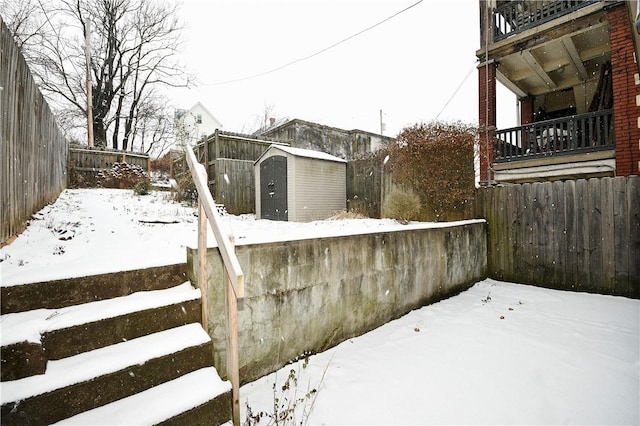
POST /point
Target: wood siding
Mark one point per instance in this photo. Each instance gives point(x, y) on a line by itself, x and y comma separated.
point(581, 235)
point(33, 150)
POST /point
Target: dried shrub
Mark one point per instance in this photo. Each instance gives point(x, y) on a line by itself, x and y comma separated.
point(121, 176)
point(79, 180)
point(143, 187)
point(342, 214)
point(162, 164)
point(185, 190)
point(435, 160)
point(404, 206)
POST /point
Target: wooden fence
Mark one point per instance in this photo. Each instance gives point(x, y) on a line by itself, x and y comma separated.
point(85, 163)
point(233, 185)
point(364, 186)
point(33, 152)
point(228, 158)
point(581, 235)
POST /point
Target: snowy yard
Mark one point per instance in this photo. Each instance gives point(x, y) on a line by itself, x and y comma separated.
point(499, 353)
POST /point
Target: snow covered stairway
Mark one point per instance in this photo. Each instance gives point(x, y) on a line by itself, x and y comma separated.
point(122, 354)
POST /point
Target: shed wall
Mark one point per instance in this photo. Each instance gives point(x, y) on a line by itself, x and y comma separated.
point(317, 188)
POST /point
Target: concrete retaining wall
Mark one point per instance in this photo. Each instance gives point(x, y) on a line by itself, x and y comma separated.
point(309, 295)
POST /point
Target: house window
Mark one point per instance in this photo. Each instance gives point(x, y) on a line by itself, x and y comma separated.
point(199, 119)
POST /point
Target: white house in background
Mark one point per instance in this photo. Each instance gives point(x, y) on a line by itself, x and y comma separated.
point(195, 123)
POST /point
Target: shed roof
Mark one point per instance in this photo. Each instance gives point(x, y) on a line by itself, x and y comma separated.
point(299, 152)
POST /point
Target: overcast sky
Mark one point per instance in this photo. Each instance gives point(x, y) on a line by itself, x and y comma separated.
point(409, 66)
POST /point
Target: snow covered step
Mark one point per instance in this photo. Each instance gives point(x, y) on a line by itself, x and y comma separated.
point(200, 397)
point(75, 291)
point(31, 338)
point(82, 382)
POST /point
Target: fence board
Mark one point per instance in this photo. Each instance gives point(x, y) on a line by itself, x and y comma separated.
point(520, 233)
point(538, 228)
point(558, 237)
point(528, 216)
point(493, 228)
point(570, 234)
point(512, 225)
point(633, 209)
point(34, 152)
point(582, 243)
point(547, 233)
point(622, 227)
point(595, 233)
point(579, 235)
point(608, 233)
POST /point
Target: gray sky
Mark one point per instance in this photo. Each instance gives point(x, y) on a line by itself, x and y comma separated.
point(409, 66)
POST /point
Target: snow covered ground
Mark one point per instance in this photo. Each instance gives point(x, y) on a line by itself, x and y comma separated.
point(91, 231)
point(499, 353)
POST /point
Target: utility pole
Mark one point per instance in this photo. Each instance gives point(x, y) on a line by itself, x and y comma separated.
point(381, 124)
point(87, 54)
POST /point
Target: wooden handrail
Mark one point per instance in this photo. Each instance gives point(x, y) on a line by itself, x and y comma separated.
point(233, 278)
point(229, 258)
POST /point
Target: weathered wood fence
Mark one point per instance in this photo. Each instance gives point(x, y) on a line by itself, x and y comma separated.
point(87, 162)
point(228, 158)
point(364, 186)
point(581, 235)
point(33, 152)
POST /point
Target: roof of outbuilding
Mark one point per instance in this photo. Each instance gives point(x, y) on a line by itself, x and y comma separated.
point(299, 152)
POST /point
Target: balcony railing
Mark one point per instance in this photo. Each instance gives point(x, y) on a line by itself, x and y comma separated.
point(518, 15)
point(569, 135)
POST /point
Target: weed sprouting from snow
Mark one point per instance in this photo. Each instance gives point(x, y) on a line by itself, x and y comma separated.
point(290, 405)
point(486, 299)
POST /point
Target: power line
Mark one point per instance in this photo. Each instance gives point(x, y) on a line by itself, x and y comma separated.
point(313, 54)
point(457, 90)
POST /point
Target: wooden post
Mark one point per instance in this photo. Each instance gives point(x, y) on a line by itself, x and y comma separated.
point(202, 256)
point(233, 363)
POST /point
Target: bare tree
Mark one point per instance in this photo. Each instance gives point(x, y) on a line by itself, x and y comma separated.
point(261, 120)
point(155, 128)
point(133, 50)
point(24, 19)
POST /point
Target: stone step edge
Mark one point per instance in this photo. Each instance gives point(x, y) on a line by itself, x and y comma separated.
point(66, 342)
point(29, 326)
point(161, 402)
point(78, 290)
point(100, 362)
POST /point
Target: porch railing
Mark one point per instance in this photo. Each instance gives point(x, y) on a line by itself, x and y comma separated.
point(518, 15)
point(233, 275)
point(568, 135)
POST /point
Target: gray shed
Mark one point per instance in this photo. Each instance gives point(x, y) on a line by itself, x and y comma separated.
point(299, 185)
